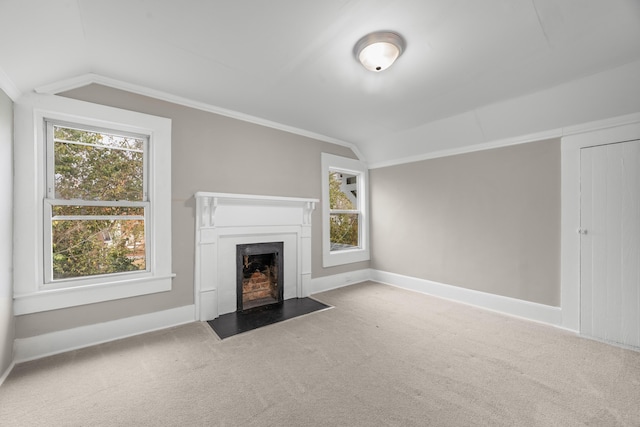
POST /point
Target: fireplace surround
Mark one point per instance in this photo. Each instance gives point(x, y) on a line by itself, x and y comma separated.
point(225, 221)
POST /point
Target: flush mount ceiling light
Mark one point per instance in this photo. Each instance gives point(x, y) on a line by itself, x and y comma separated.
point(377, 51)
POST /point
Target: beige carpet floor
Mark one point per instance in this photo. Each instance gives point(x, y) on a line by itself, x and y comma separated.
point(381, 357)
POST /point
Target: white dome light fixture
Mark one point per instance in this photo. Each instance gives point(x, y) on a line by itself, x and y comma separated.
point(377, 51)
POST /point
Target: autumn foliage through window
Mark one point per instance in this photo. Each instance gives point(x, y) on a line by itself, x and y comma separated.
point(343, 211)
point(97, 201)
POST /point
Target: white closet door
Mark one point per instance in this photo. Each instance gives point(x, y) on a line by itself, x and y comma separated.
point(610, 242)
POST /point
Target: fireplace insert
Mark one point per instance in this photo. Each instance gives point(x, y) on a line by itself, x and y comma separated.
point(259, 275)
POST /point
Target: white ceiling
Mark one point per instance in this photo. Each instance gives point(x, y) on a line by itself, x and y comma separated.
point(291, 62)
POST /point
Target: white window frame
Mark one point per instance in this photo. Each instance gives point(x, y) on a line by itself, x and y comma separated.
point(50, 201)
point(32, 293)
point(331, 258)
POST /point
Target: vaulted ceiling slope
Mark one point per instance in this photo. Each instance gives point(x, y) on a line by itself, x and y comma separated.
point(473, 73)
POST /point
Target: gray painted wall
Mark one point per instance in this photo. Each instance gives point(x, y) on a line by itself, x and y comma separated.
point(488, 221)
point(6, 231)
point(209, 153)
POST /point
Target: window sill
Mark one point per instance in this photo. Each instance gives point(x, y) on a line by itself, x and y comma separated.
point(347, 256)
point(54, 299)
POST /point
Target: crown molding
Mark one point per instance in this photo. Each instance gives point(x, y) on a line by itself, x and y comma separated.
point(522, 139)
point(539, 136)
point(596, 125)
point(91, 78)
point(8, 86)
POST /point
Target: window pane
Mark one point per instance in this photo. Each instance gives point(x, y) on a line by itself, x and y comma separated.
point(343, 191)
point(343, 231)
point(72, 210)
point(90, 247)
point(97, 166)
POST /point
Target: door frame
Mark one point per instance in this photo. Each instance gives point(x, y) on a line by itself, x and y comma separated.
point(620, 129)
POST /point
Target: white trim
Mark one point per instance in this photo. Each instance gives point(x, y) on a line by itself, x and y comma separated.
point(29, 193)
point(72, 296)
point(224, 221)
point(539, 136)
point(523, 139)
point(50, 200)
point(7, 372)
point(31, 348)
point(333, 258)
point(594, 134)
point(527, 310)
point(611, 122)
point(335, 281)
point(514, 307)
point(216, 197)
point(91, 78)
point(8, 86)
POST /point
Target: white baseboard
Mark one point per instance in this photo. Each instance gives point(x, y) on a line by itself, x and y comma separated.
point(515, 307)
point(7, 372)
point(335, 281)
point(31, 348)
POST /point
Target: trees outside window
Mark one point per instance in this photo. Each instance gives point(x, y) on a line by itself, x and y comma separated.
point(344, 212)
point(92, 198)
point(345, 220)
point(97, 201)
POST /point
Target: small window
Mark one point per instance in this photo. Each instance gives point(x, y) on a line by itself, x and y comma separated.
point(345, 219)
point(96, 205)
point(344, 211)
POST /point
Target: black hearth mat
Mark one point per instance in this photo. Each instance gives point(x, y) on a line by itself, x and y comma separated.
point(232, 324)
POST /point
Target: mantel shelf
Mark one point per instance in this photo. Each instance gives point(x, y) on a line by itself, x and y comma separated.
point(249, 197)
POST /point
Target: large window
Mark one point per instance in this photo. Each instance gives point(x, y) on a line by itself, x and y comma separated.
point(96, 202)
point(345, 220)
point(92, 203)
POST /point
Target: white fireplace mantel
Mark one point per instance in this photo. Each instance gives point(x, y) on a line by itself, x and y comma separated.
point(224, 221)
